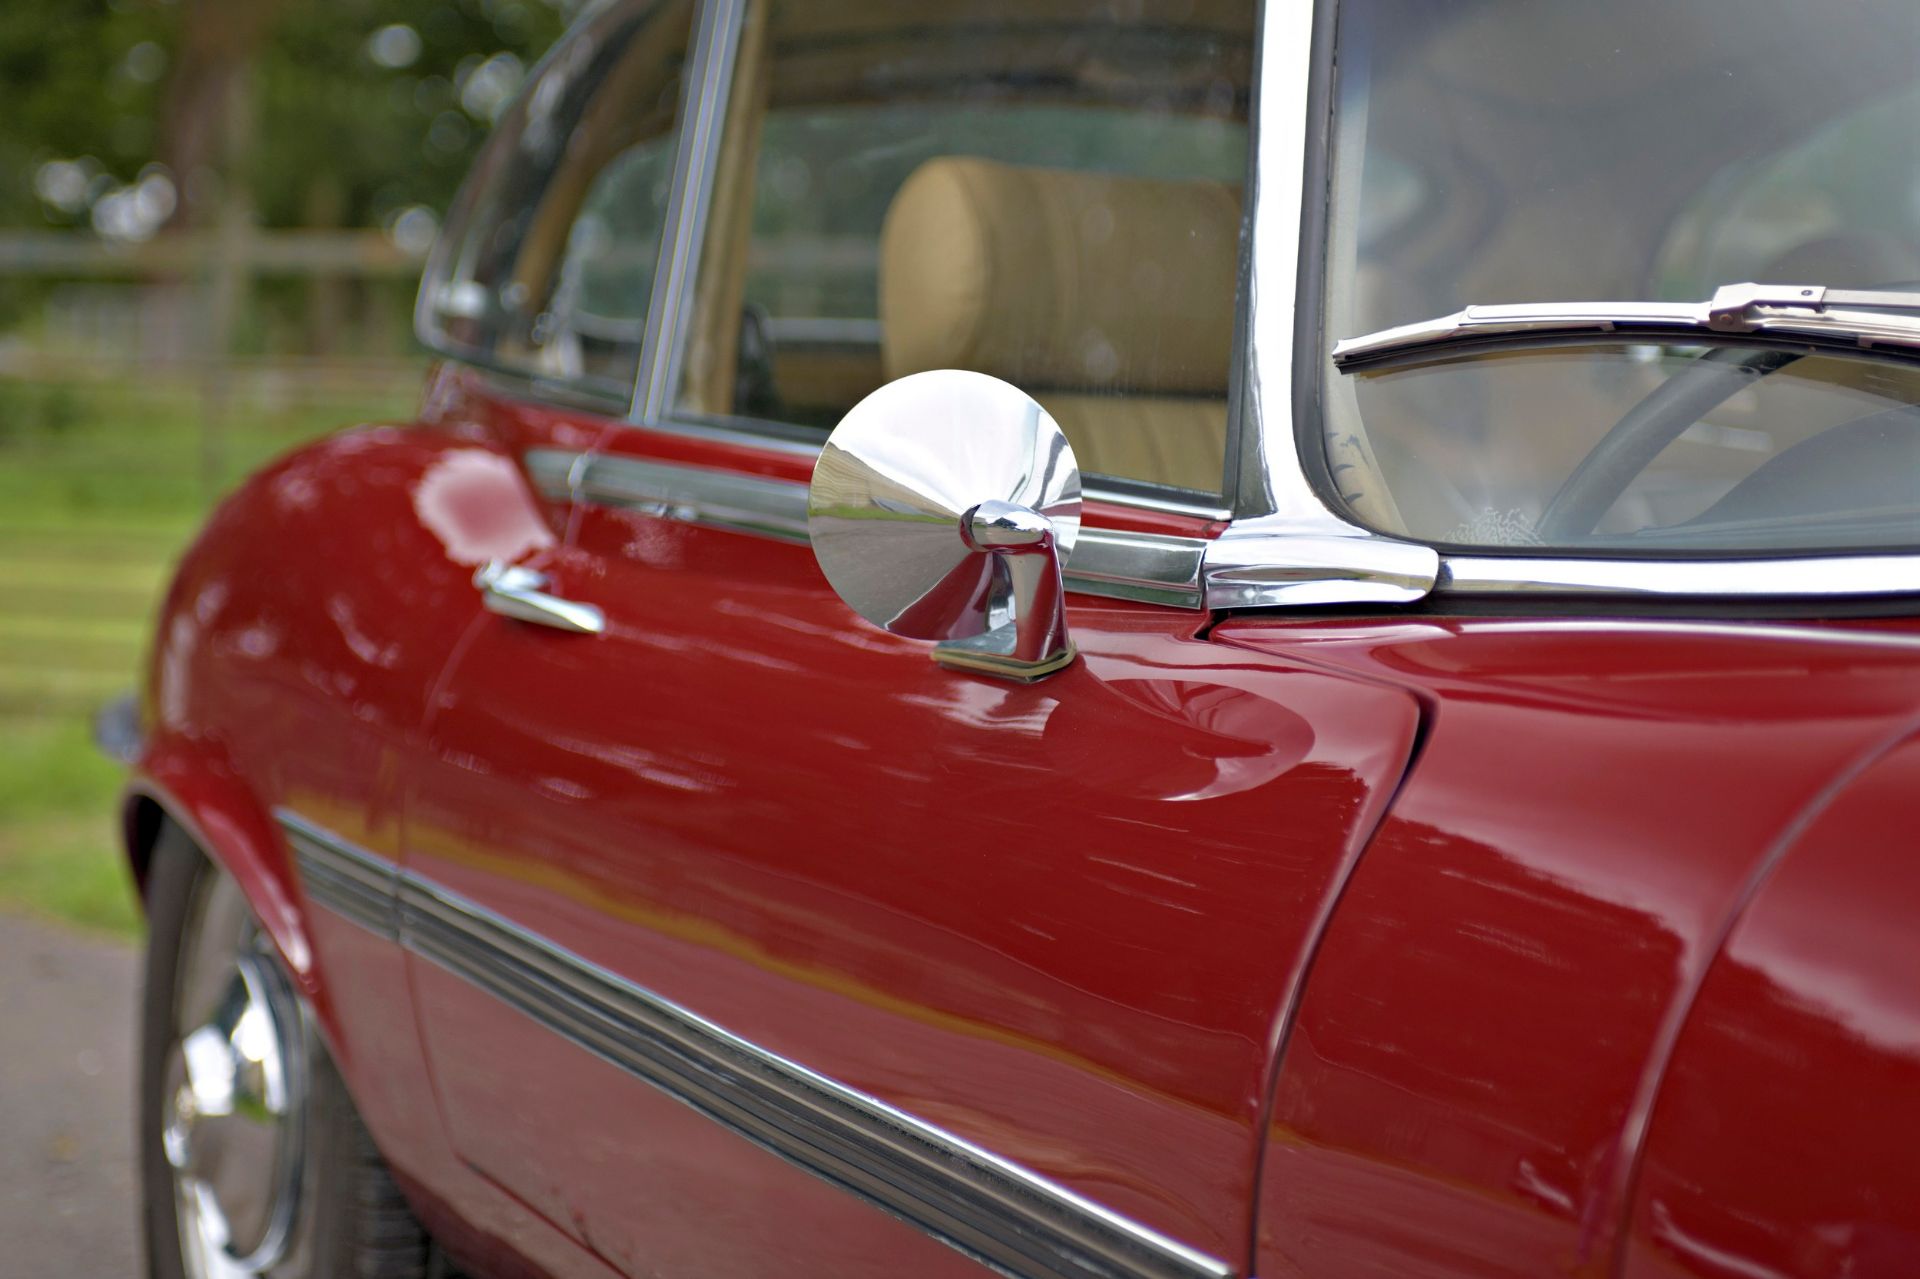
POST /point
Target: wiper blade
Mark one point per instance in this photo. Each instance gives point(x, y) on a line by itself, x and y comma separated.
point(1862, 317)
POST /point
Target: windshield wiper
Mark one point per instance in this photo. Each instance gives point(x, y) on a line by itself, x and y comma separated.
point(1860, 317)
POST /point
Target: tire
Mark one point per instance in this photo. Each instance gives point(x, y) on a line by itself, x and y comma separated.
point(329, 1206)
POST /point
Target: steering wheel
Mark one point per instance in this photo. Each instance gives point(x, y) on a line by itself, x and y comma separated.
point(1631, 444)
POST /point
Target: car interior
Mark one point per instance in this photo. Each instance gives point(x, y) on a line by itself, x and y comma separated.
point(1492, 153)
point(1051, 193)
point(1042, 192)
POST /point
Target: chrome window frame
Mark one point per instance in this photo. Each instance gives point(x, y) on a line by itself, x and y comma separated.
point(661, 361)
point(1286, 543)
point(593, 394)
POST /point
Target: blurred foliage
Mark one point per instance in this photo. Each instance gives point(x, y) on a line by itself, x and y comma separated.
point(342, 140)
point(344, 127)
point(69, 93)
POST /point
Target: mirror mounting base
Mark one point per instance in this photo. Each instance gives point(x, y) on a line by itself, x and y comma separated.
point(993, 654)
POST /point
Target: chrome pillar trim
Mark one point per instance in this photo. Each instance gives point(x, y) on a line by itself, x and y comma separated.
point(703, 110)
point(1808, 577)
point(1286, 547)
point(1005, 1216)
point(345, 879)
point(1271, 481)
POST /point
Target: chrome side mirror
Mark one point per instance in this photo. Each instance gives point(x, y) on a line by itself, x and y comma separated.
point(944, 507)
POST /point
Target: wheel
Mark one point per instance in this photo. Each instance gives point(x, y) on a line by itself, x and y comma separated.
point(253, 1160)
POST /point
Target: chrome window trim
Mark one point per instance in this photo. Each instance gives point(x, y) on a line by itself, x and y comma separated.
point(1816, 576)
point(1154, 568)
point(982, 1205)
point(761, 434)
point(715, 47)
point(1286, 545)
point(703, 111)
point(599, 394)
point(697, 495)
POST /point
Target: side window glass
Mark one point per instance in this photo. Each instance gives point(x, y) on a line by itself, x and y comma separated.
point(548, 265)
point(980, 186)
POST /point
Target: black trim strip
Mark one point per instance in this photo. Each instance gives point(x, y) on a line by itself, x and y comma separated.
point(996, 1212)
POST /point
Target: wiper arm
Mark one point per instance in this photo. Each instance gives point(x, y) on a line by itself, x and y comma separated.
point(1861, 317)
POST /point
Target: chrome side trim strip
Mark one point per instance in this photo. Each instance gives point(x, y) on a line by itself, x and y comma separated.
point(552, 472)
point(342, 877)
point(1150, 567)
point(697, 495)
point(998, 1213)
point(1254, 564)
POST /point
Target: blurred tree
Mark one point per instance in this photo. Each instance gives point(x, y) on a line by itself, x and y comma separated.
point(353, 111)
point(367, 108)
point(204, 121)
point(73, 88)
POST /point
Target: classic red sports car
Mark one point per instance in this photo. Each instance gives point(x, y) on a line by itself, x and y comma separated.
point(1055, 636)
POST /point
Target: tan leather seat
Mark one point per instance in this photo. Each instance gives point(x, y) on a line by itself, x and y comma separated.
point(1107, 298)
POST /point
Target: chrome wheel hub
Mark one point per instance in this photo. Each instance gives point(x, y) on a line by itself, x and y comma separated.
point(233, 1110)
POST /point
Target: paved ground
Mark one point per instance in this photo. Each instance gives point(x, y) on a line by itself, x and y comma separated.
point(66, 1103)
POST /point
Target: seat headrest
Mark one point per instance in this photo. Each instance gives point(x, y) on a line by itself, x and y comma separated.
point(1054, 279)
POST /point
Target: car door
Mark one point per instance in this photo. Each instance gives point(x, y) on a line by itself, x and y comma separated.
point(753, 940)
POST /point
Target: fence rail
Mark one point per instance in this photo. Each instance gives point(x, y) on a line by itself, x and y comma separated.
point(186, 315)
point(68, 254)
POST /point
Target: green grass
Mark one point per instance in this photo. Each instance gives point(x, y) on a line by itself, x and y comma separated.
point(58, 854)
point(101, 487)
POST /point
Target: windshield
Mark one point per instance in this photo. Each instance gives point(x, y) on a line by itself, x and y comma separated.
point(1510, 151)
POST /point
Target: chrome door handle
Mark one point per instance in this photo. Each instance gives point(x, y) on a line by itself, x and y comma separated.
point(513, 591)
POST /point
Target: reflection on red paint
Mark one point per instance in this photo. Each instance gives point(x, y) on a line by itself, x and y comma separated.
point(1467, 1080)
point(1784, 1139)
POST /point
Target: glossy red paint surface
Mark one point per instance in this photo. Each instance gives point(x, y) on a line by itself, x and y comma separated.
point(1785, 1136)
point(1466, 1086)
point(1056, 920)
point(293, 663)
point(1149, 928)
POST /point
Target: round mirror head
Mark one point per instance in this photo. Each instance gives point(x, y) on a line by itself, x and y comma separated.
point(898, 478)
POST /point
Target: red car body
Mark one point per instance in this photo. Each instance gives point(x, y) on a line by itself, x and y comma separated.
point(1481, 938)
point(1465, 945)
